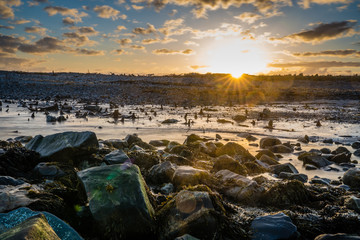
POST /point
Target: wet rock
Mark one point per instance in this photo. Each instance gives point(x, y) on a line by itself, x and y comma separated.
point(92, 108)
point(209, 148)
point(35, 227)
point(251, 138)
point(355, 145)
point(352, 178)
point(353, 203)
point(294, 176)
point(310, 167)
point(269, 141)
point(227, 162)
point(48, 171)
point(238, 187)
point(23, 139)
point(341, 158)
point(217, 136)
point(12, 197)
point(283, 194)
point(340, 150)
point(171, 145)
point(64, 147)
point(338, 236)
point(304, 139)
point(239, 118)
point(182, 150)
point(132, 139)
point(273, 227)
point(143, 145)
point(233, 149)
point(325, 150)
point(357, 153)
point(118, 201)
point(266, 152)
point(268, 160)
point(285, 167)
point(116, 157)
point(178, 160)
point(256, 167)
point(191, 212)
point(50, 118)
point(186, 175)
point(117, 143)
point(162, 173)
point(170, 121)
point(329, 140)
point(321, 181)
point(167, 188)
point(280, 148)
point(7, 180)
point(159, 143)
point(314, 159)
point(144, 159)
point(186, 237)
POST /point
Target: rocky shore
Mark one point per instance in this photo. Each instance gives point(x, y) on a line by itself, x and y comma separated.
point(72, 185)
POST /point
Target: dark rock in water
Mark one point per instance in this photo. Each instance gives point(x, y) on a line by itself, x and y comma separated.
point(186, 237)
point(16, 217)
point(116, 157)
point(92, 108)
point(266, 152)
point(357, 153)
point(353, 203)
point(7, 180)
point(238, 187)
point(268, 160)
point(170, 121)
point(227, 162)
point(283, 194)
point(269, 141)
point(314, 159)
point(186, 175)
point(61, 118)
point(239, 118)
point(280, 148)
point(325, 150)
point(340, 150)
point(338, 236)
point(191, 212)
point(162, 172)
point(217, 136)
point(64, 147)
point(321, 181)
point(315, 151)
point(341, 158)
point(355, 145)
point(310, 167)
point(352, 178)
point(233, 149)
point(304, 139)
point(294, 176)
point(159, 143)
point(329, 140)
point(273, 227)
point(35, 227)
point(118, 201)
point(50, 118)
point(285, 167)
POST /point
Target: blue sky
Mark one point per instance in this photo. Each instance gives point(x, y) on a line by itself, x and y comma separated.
point(179, 36)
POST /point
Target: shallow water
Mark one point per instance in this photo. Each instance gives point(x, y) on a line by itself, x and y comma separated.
point(290, 122)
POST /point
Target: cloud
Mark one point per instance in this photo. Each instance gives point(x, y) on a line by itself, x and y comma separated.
point(320, 64)
point(136, 7)
point(106, 11)
point(144, 31)
point(87, 30)
point(226, 29)
point(6, 10)
point(173, 12)
point(191, 43)
point(157, 40)
point(77, 39)
point(88, 52)
point(9, 44)
point(120, 28)
point(165, 51)
point(53, 10)
point(306, 3)
point(6, 27)
point(124, 41)
point(69, 21)
point(35, 29)
point(36, 2)
point(248, 17)
point(21, 21)
point(320, 33)
point(333, 53)
point(120, 52)
point(137, 47)
point(196, 67)
point(43, 46)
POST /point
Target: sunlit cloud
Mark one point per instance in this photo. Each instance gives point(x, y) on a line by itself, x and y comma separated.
point(6, 27)
point(9, 44)
point(196, 67)
point(307, 3)
point(137, 7)
point(77, 39)
point(69, 21)
point(144, 31)
point(120, 28)
point(331, 53)
point(189, 43)
point(120, 52)
point(137, 47)
point(124, 41)
point(87, 30)
point(319, 64)
point(248, 17)
point(6, 10)
point(44, 46)
point(36, 2)
point(106, 11)
point(88, 52)
point(165, 51)
point(63, 11)
point(35, 29)
point(20, 21)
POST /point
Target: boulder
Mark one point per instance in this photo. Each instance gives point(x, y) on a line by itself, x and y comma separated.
point(325, 150)
point(314, 159)
point(280, 148)
point(7, 180)
point(310, 167)
point(340, 150)
point(116, 143)
point(238, 187)
point(239, 118)
point(47, 171)
point(256, 167)
point(341, 158)
point(355, 145)
point(357, 153)
point(304, 139)
point(182, 150)
point(16, 217)
point(269, 141)
point(178, 160)
point(338, 236)
point(35, 227)
point(266, 152)
point(192, 140)
point(353, 203)
point(159, 143)
point(170, 121)
point(191, 212)
point(352, 178)
point(116, 157)
point(294, 176)
point(64, 147)
point(12, 197)
point(268, 160)
point(227, 162)
point(273, 227)
point(132, 139)
point(186, 175)
point(285, 167)
point(162, 173)
point(186, 237)
point(233, 149)
point(118, 200)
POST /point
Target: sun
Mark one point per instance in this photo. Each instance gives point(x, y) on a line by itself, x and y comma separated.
point(237, 57)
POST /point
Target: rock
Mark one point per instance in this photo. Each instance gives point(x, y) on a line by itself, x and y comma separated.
point(48, 171)
point(269, 141)
point(329, 140)
point(304, 139)
point(167, 188)
point(12, 197)
point(321, 181)
point(251, 138)
point(186, 175)
point(118, 201)
point(294, 176)
point(191, 212)
point(280, 148)
point(256, 167)
point(227, 162)
point(325, 150)
point(285, 167)
point(50, 118)
point(162, 173)
point(268, 160)
point(171, 145)
point(64, 147)
point(352, 178)
point(182, 150)
point(310, 167)
point(117, 143)
point(357, 153)
point(283, 194)
point(355, 145)
point(186, 237)
point(92, 108)
point(273, 227)
point(159, 143)
point(217, 136)
point(116, 157)
point(353, 203)
point(132, 139)
point(7, 180)
point(23, 139)
point(338, 236)
point(341, 158)
point(266, 152)
point(170, 121)
point(193, 140)
point(340, 150)
point(35, 227)
point(238, 187)
point(16, 217)
point(233, 149)
point(314, 159)
point(239, 118)
point(178, 160)
point(209, 148)
point(143, 145)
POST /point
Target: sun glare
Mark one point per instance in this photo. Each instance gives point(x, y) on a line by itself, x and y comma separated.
point(236, 57)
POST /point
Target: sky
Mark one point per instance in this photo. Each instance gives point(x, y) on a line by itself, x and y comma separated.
point(181, 36)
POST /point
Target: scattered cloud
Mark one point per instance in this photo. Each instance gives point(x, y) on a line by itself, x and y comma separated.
point(332, 53)
point(307, 3)
point(20, 21)
point(77, 39)
point(44, 46)
point(120, 28)
point(157, 40)
point(320, 33)
point(106, 11)
point(144, 31)
point(124, 41)
point(88, 52)
point(9, 44)
point(36, 2)
point(35, 29)
point(120, 52)
point(87, 30)
point(6, 10)
point(63, 11)
point(165, 51)
point(248, 17)
point(320, 64)
point(173, 12)
point(137, 47)
point(137, 7)
point(189, 43)
point(7, 27)
point(69, 21)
